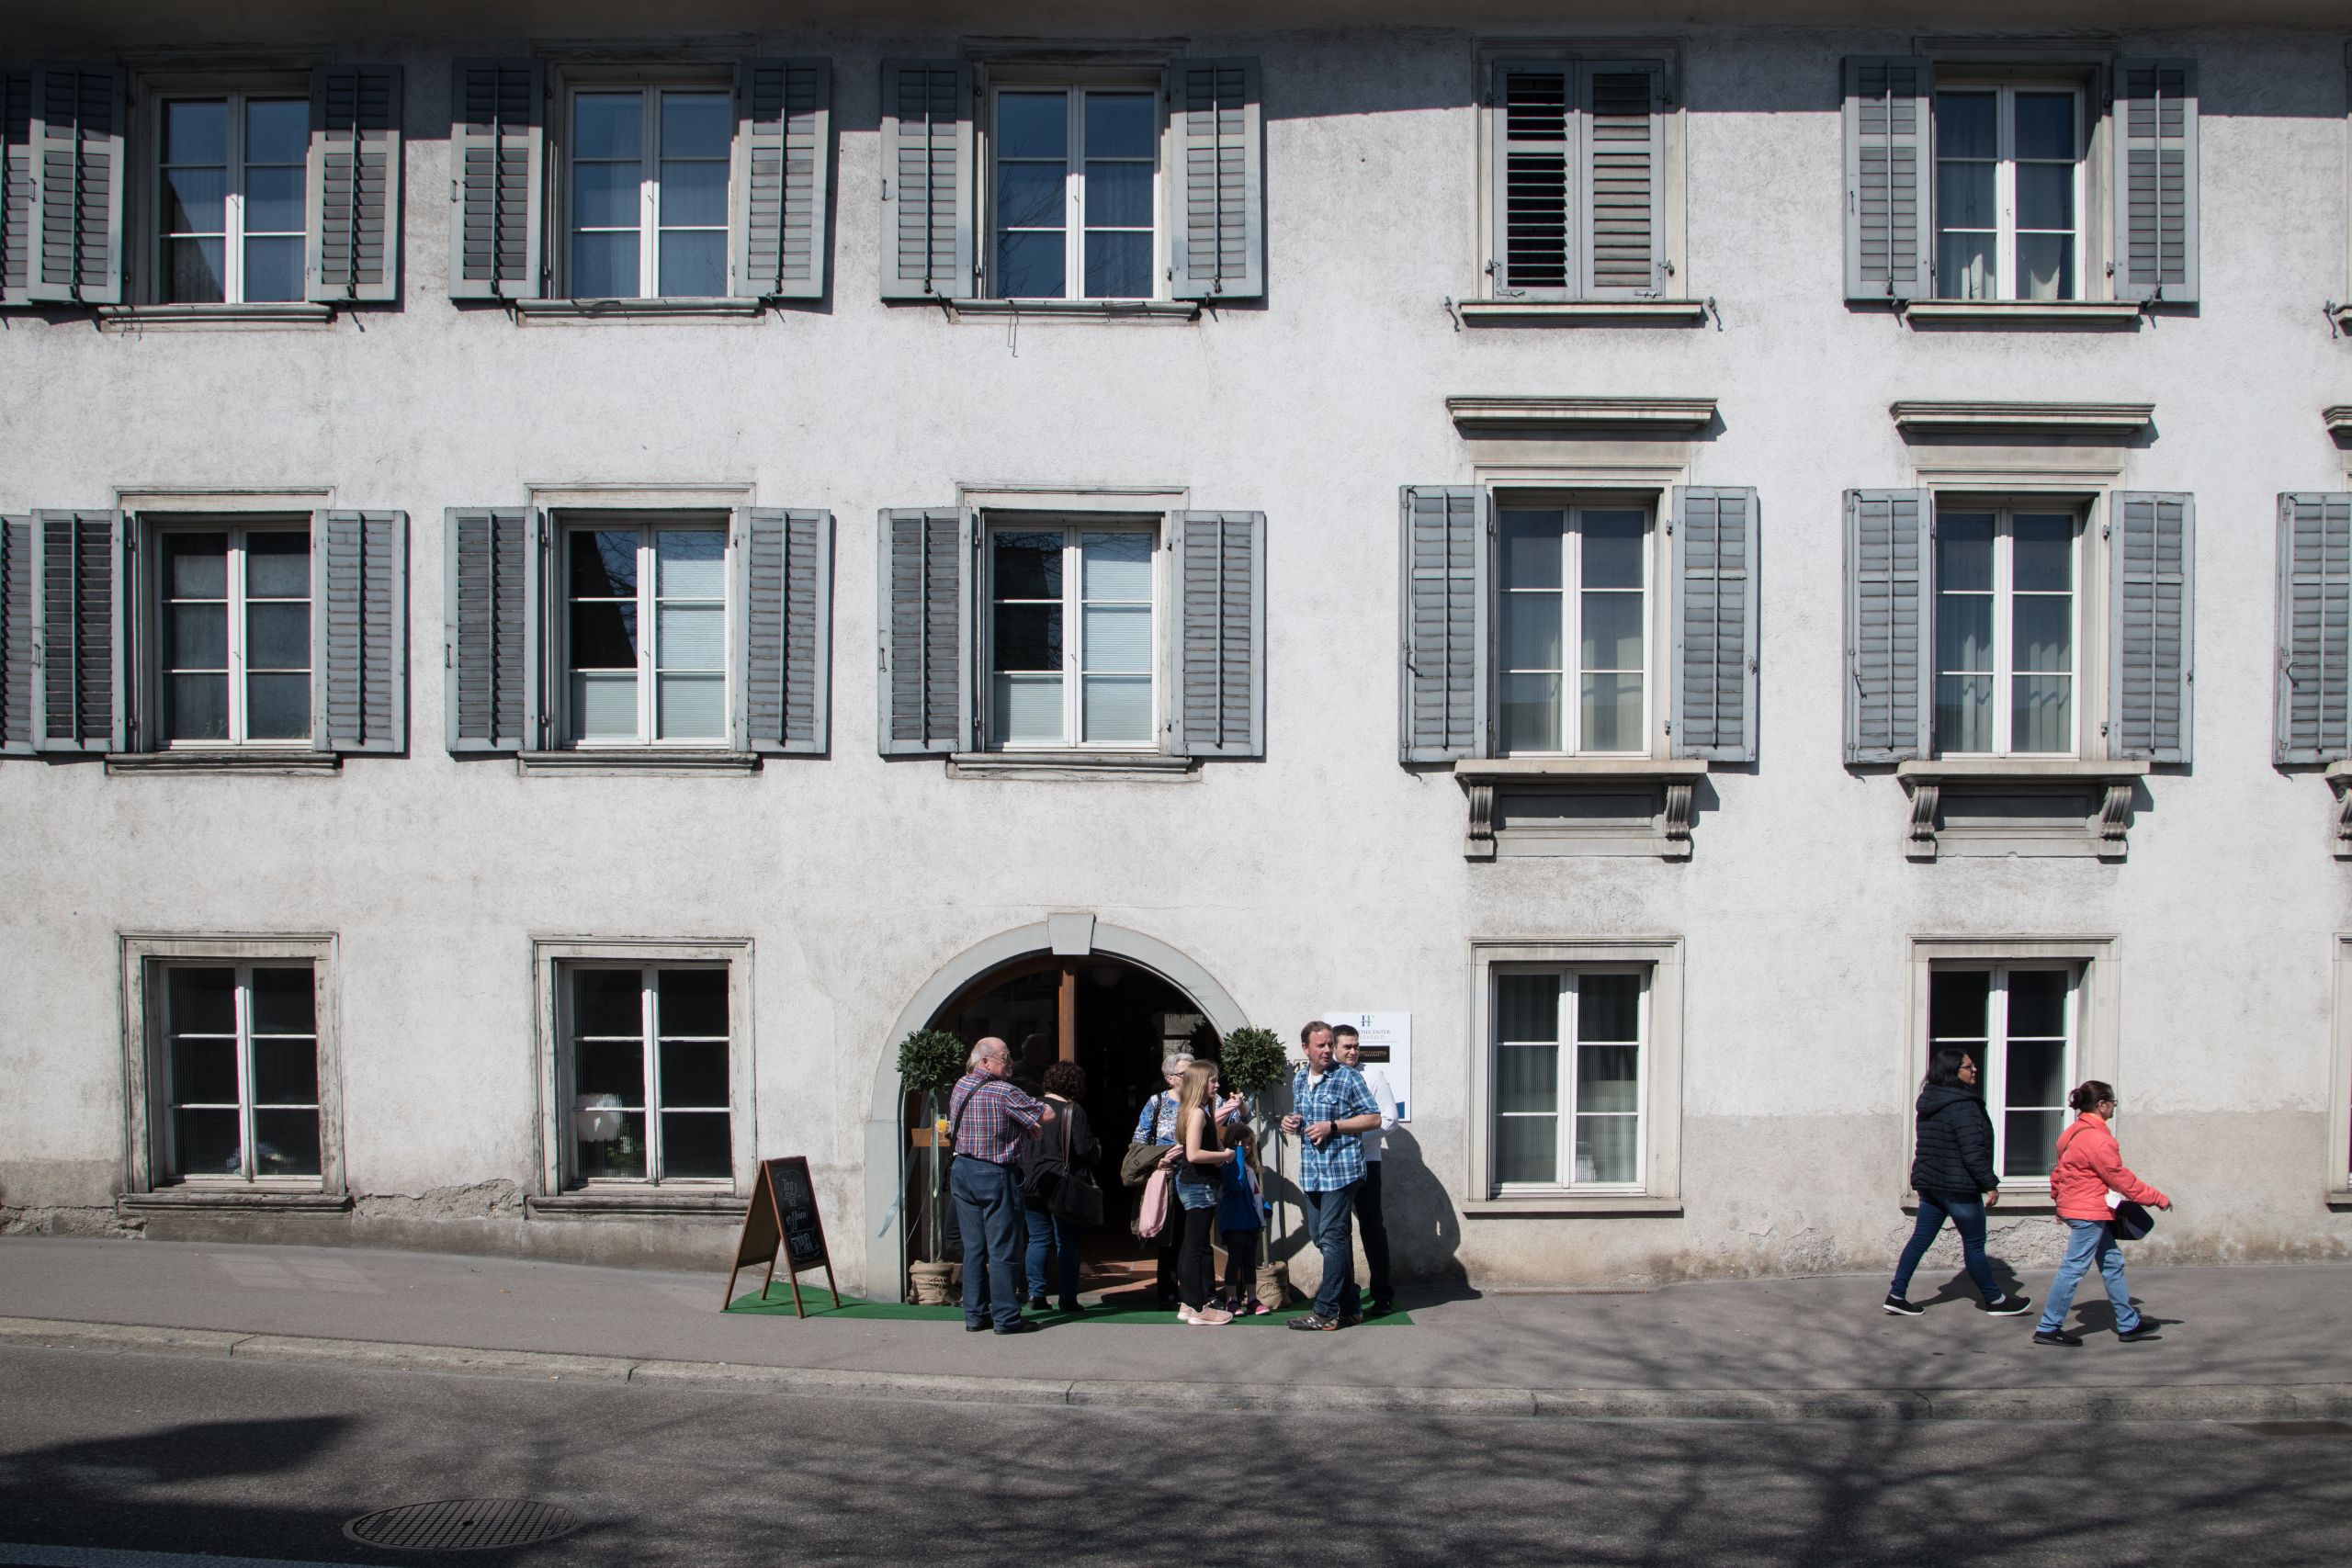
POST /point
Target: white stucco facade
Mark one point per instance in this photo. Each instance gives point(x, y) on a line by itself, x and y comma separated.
point(1324, 869)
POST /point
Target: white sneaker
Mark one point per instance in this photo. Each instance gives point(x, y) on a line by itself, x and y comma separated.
point(1208, 1317)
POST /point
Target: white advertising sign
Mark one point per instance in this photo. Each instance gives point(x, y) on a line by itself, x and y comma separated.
point(1387, 1045)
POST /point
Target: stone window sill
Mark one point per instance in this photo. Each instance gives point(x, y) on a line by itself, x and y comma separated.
point(1178, 310)
point(247, 1200)
point(2087, 805)
point(2339, 1198)
point(1567, 1202)
point(2113, 314)
point(1578, 312)
point(288, 315)
point(225, 760)
point(1063, 767)
point(638, 309)
point(1545, 806)
point(649, 763)
point(592, 1202)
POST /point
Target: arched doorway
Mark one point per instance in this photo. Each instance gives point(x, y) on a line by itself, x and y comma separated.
point(1111, 1000)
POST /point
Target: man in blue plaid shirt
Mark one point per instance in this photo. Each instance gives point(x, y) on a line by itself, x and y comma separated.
point(1331, 1109)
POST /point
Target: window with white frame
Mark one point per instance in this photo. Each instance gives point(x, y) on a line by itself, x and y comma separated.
point(233, 624)
point(648, 172)
point(230, 218)
point(1574, 586)
point(2018, 1022)
point(239, 1072)
point(645, 635)
point(1569, 1077)
point(2009, 191)
point(1071, 635)
point(1074, 192)
point(646, 1062)
point(2006, 641)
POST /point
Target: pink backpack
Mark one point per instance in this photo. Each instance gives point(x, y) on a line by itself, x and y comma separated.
point(1151, 1214)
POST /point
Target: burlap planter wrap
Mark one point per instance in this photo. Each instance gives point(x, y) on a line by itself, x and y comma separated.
point(931, 1282)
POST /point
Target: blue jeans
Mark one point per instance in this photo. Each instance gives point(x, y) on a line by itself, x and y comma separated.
point(988, 1209)
point(2089, 1241)
point(1327, 1225)
point(1057, 1233)
point(1966, 1211)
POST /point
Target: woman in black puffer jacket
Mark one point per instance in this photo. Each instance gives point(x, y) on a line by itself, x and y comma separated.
point(1952, 1173)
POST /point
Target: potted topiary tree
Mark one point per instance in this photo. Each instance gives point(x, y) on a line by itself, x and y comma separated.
point(1251, 1060)
point(930, 1062)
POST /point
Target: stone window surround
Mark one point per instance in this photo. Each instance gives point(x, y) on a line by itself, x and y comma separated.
point(143, 954)
point(2098, 1050)
point(2338, 1155)
point(1662, 1134)
point(553, 1197)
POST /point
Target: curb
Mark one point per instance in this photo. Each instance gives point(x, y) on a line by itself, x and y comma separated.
point(2197, 1402)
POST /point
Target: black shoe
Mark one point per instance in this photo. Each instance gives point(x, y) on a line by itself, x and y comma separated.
point(2007, 1306)
point(2056, 1337)
point(2146, 1330)
point(1900, 1308)
point(1381, 1308)
point(1036, 1304)
point(980, 1328)
point(1071, 1303)
point(1350, 1319)
point(1019, 1326)
point(1315, 1323)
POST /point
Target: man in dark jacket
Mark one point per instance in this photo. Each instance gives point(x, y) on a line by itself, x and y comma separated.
point(1951, 1171)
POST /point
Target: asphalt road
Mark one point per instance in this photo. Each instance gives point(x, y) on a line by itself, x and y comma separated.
point(118, 1456)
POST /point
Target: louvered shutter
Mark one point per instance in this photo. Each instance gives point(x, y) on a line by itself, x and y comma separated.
point(927, 627)
point(355, 182)
point(2150, 609)
point(2315, 681)
point(926, 179)
point(1888, 209)
point(2155, 130)
point(1715, 623)
point(1447, 550)
point(17, 687)
point(1220, 654)
point(16, 186)
point(75, 135)
point(359, 617)
point(782, 133)
point(497, 179)
point(492, 652)
point(1220, 237)
point(1622, 104)
point(1890, 598)
point(1537, 157)
point(785, 575)
point(78, 621)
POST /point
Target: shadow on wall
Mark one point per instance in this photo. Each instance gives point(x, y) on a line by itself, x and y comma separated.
point(1424, 1231)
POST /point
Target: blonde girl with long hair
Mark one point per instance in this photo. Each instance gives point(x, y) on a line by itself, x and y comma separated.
point(1200, 1182)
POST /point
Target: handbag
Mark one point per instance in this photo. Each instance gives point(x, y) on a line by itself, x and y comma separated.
point(1066, 1192)
point(1151, 1214)
point(2132, 1221)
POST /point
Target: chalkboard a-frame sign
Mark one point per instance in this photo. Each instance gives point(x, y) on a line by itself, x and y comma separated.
point(783, 1220)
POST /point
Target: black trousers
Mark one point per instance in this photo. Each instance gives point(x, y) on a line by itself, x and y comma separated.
point(1241, 1263)
point(1374, 1226)
point(1196, 1270)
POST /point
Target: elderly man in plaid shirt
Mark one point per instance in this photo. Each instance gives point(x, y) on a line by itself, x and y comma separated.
point(988, 1121)
point(1332, 1109)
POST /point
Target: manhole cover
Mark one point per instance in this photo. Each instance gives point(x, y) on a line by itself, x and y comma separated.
point(463, 1524)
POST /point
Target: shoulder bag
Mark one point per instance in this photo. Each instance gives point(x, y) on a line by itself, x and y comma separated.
point(1068, 1192)
point(1136, 1165)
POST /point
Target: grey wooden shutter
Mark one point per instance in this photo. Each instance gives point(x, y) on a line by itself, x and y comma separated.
point(1888, 209)
point(492, 651)
point(786, 573)
point(80, 628)
point(355, 182)
point(359, 610)
point(928, 683)
point(927, 182)
point(1715, 609)
point(2150, 609)
point(16, 186)
point(2315, 681)
point(1622, 105)
point(76, 135)
point(1537, 159)
point(1890, 606)
point(16, 639)
point(783, 136)
point(1220, 188)
point(497, 145)
point(1219, 707)
point(2155, 131)
point(1448, 545)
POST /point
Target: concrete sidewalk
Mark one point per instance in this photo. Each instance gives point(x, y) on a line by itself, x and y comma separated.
point(2237, 1343)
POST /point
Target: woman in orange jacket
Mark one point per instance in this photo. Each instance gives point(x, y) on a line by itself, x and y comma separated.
point(2089, 1167)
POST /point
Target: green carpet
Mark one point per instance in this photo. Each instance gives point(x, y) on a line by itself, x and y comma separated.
point(1126, 1309)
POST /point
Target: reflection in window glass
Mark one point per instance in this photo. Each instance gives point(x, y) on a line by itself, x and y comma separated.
point(649, 1074)
point(2005, 633)
point(2008, 193)
point(1073, 644)
point(1574, 609)
point(240, 1072)
point(1074, 172)
point(2017, 1025)
point(233, 635)
point(1583, 1128)
point(627, 688)
point(649, 193)
point(230, 223)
